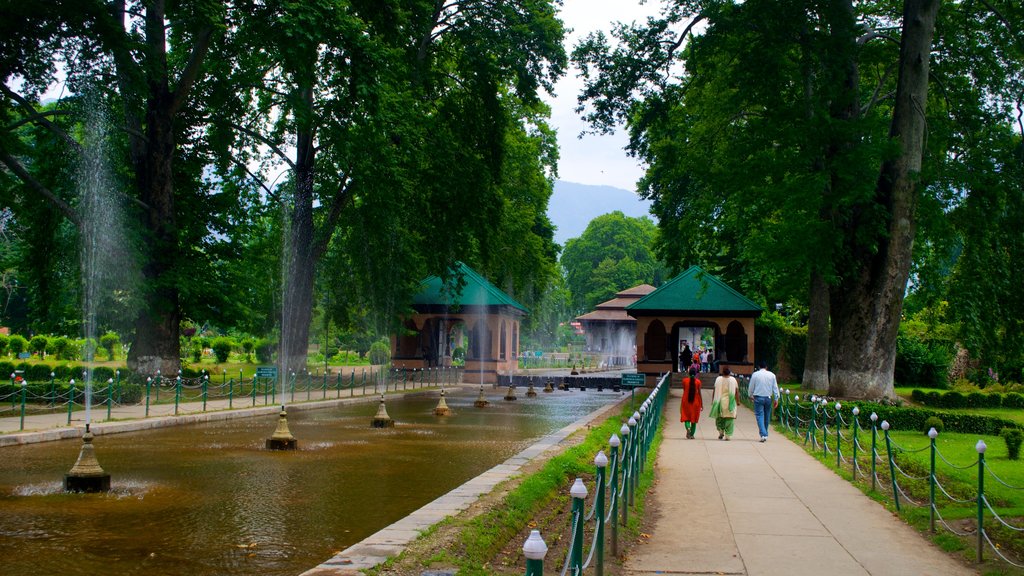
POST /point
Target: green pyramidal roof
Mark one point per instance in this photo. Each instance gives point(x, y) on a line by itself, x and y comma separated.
point(695, 291)
point(476, 291)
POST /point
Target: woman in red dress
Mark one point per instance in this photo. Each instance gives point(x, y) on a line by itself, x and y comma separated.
point(692, 404)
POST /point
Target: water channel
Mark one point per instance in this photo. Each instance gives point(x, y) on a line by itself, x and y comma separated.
point(208, 499)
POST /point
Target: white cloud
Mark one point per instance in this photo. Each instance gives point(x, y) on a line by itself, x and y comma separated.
point(592, 159)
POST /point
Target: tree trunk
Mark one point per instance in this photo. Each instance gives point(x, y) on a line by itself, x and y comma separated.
point(816, 362)
point(156, 344)
point(868, 305)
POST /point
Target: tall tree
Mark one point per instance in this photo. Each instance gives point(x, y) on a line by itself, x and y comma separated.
point(145, 58)
point(615, 252)
point(392, 122)
point(791, 124)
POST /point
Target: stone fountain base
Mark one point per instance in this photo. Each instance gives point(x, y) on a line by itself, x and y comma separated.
point(87, 475)
point(282, 438)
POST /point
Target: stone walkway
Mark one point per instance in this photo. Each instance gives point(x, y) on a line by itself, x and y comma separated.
point(746, 508)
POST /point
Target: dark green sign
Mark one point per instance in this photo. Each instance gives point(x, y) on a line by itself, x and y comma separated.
point(266, 372)
point(633, 380)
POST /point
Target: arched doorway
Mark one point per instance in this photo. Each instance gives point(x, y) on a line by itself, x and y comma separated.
point(656, 342)
point(735, 340)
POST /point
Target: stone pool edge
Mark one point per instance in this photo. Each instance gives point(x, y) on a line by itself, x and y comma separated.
point(392, 540)
point(154, 422)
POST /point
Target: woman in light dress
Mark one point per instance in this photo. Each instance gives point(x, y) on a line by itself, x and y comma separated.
point(724, 403)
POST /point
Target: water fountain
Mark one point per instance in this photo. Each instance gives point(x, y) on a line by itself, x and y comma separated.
point(530, 392)
point(442, 408)
point(481, 400)
point(549, 386)
point(102, 247)
point(511, 393)
point(87, 475)
point(282, 438)
point(381, 418)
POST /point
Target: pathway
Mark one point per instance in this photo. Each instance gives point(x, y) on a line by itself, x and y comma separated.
point(746, 508)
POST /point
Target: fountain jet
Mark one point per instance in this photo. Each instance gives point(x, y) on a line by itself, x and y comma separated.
point(442, 408)
point(381, 419)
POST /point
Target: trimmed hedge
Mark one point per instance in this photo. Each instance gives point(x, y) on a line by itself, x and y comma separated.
point(913, 419)
point(956, 399)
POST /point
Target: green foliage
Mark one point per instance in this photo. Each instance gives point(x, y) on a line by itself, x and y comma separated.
point(222, 348)
point(1013, 400)
point(380, 352)
point(614, 253)
point(1013, 437)
point(38, 344)
point(921, 362)
point(775, 340)
point(195, 350)
point(933, 422)
point(265, 351)
point(64, 348)
point(975, 399)
point(17, 344)
point(913, 419)
point(110, 342)
point(4, 340)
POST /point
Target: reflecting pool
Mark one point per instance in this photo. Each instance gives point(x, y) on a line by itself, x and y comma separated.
point(209, 499)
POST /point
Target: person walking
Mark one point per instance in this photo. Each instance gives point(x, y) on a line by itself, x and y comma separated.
point(764, 391)
point(692, 404)
point(724, 403)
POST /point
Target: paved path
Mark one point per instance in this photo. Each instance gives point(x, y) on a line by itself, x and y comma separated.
point(746, 508)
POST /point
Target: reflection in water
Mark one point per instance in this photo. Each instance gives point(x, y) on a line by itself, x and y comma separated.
point(208, 499)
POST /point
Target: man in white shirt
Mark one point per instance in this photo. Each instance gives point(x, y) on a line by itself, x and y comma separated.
point(764, 391)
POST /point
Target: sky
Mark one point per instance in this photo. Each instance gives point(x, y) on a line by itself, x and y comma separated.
point(595, 160)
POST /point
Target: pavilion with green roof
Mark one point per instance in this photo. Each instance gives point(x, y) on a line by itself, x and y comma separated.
point(466, 311)
point(692, 304)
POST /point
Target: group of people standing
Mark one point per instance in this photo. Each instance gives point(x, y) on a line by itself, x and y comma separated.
point(763, 391)
point(701, 359)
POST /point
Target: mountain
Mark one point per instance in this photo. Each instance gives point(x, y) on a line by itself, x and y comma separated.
point(573, 206)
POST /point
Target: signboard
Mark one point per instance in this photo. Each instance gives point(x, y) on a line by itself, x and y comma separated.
point(633, 380)
point(24, 355)
point(266, 372)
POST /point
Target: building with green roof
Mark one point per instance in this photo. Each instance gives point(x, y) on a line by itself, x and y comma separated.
point(695, 309)
point(463, 311)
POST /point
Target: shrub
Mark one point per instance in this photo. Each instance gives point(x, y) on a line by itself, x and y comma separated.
point(953, 400)
point(38, 373)
point(38, 345)
point(110, 342)
point(6, 368)
point(264, 351)
point(918, 395)
point(933, 422)
point(62, 372)
point(1013, 437)
point(380, 352)
point(4, 340)
point(1013, 400)
point(934, 399)
point(88, 348)
point(17, 344)
point(993, 401)
point(195, 350)
point(222, 348)
point(976, 400)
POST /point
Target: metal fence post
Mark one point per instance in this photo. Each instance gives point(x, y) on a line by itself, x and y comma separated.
point(24, 391)
point(632, 458)
point(839, 450)
point(624, 456)
point(932, 434)
point(206, 386)
point(578, 493)
point(892, 465)
point(981, 447)
point(601, 462)
point(149, 382)
point(874, 451)
point(110, 397)
point(614, 443)
point(856, 425)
